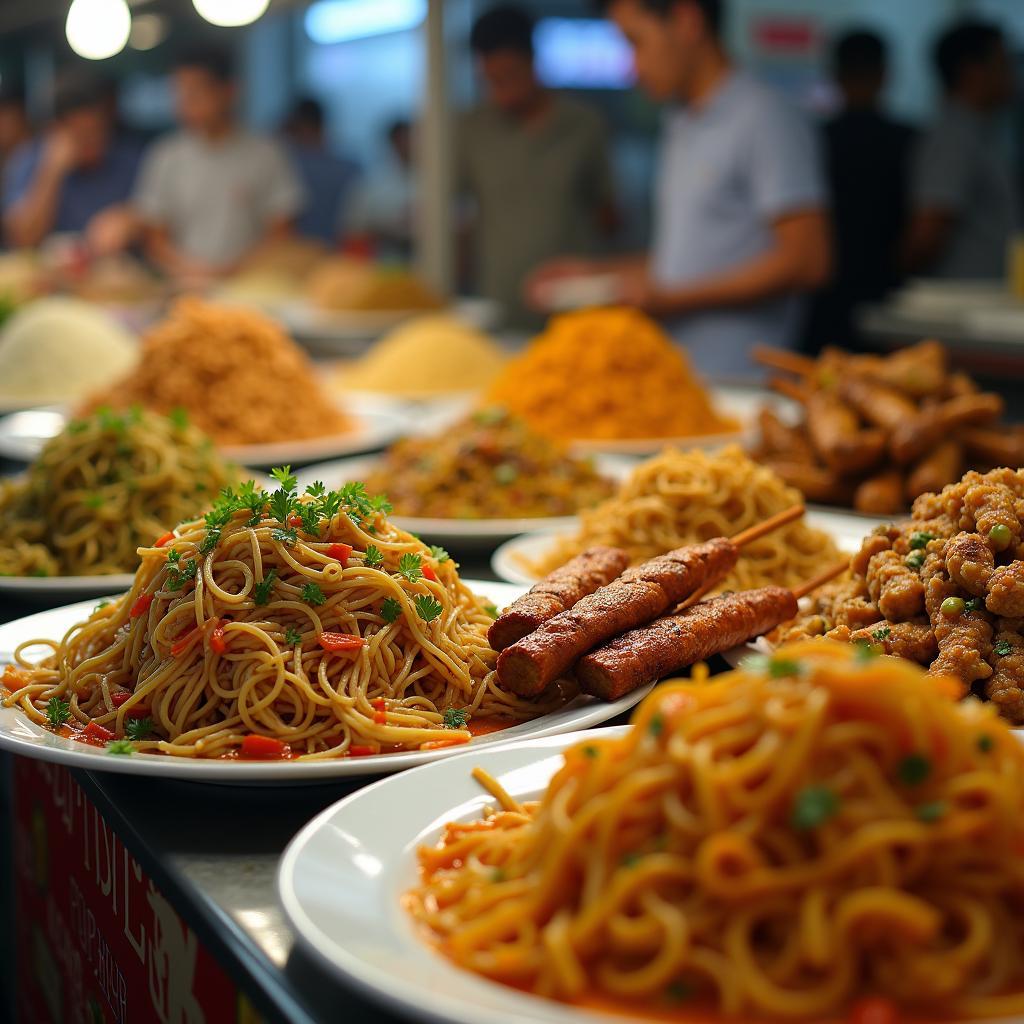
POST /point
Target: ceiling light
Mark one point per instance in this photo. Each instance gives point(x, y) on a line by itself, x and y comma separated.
point(231, 13)
point(97, 29)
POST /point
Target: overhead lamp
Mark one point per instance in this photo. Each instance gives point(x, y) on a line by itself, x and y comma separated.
point(97, 29)
point(231, 13)
point(341, 21)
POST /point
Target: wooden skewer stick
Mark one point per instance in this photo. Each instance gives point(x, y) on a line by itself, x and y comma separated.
point(820, 580)
point(771, 524)
point(781, 359)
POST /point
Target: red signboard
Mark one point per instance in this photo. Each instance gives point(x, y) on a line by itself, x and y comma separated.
point(96, 941)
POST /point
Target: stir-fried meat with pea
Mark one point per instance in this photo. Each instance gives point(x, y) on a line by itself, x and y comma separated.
point(945, 589)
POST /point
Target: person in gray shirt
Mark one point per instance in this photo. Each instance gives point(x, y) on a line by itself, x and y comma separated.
point(963, 192)
point(210, 194)
point(534, 163)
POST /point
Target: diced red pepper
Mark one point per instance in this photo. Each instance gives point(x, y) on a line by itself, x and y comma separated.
point(378, 704)
point(120, 697)
point(341, 642)
point(428, 573)
point(357, 751)
point(341, 552)
point(263, 748)
point(141, 606)
point(95, 731)
point(295, 520)
point(380, 717)
point(139, 711)
point(217, 642)
point(165, 539)
point(183, 642)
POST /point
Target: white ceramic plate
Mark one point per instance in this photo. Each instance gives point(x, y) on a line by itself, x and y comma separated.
point(464, 532)
point(379, 422)
point(65, 587)
point(342, 877)
point(508, 562)
point(20, 736)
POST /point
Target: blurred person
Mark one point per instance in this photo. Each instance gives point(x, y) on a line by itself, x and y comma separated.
point(867, 164)
point(535, 164)
point(963, 192)
point(740, 232)
point(15, 128)
point(77, 177)
point(328, 180)
point(382, 217)
point(210, 194)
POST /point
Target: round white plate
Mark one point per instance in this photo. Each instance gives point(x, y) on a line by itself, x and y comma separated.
point(65, 587)
point(342, 877)
point(508, 562)
point(378, 423)
point(18, 735)
point(465, 532)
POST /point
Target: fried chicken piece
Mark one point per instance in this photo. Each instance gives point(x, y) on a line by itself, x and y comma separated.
point(970, 562)
point(993, 499)
point(1005, 688)
point(914, 641)
point(1006, 591)
point(895, 588)
point(880, 539)
point(964, 641)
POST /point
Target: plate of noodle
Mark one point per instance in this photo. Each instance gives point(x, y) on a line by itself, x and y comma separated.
point(103, 487)
point(823, 836)
point(486, 477)
point(679, 498)
point(281, 636)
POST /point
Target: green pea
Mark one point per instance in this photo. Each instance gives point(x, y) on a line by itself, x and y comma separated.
point(1000, 537)
point(953, 606)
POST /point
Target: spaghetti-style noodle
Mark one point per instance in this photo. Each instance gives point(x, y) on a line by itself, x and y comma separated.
point(777, 842)
point(101, 488)
point(679, 498)
point(279, 626)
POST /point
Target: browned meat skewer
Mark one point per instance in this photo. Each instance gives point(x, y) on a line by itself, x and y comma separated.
point(557, 592)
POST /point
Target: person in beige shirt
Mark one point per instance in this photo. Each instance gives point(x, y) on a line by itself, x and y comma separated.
point(534, 163)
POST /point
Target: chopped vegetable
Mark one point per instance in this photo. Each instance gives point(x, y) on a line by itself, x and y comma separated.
point(931, 812)
point(427, 608)
point(874, 1010)
point(95, 731)
point(985, 743)
point(439, 553)
point(289, 536)
point(340, 642)
point(217, 642)
point(865, 650)
point(428, 573)
point(374, 557)
point(261, 591)
point(179, 417)
point(295, 520)
point(141, 605)
point(914, 560)
point(1000, 537)
point(361, 751)
point(881, 634)
point(813, 807)
point(121, 747)
point(590, 751)
point(263, 748)
point(165, 539)
point(340, 552)
point(657, 725)
point(630, 860)
point(975, 604)
point(312, 594)
point(952, 607)
point(183, 642)
point(292, 637)
point(491, 609)
point(914, 769)
point(455, 718)
point(505, 474)
point(138, 728)
point(920, 539)
point(390, 610)
point(411, 567)
point(178, 574)
point(57, 711)
point(1003, 648)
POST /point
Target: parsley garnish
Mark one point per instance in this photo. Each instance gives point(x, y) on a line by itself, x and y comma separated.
point(292, 637)
point(865, 650)
point(920, 539)
point(630, 860)
point(498, 875)
point(427, 608)
point(374, 557)
point(178, 573)
point(930, 812)
point(985, 743)
point(312, 594)
point(914, 560)
point(179, 417)
point(974, 604)
point(283, 475)
point(261, 592)
point(210, 541)
point(881, 634)
point(410, 566)
point(57, 711)
point(813, 807)
point(102, 604)
point(439, 553)
point(491, 609)
point(120, 747)
point(456, 718)
point(390, 610)
point(381, 505)
point(590, 751)
point(657, 725)
point(138, 728)
point(777, 668)
point(289, 536)
point(914, 769)
point(1003, 648)
point(94, 500)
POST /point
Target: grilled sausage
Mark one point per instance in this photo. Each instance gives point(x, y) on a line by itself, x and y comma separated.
point(677, 641)
point(557, 592)
point(638, 596)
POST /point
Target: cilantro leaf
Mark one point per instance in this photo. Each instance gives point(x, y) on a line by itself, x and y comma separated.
point(289, 537)
point(283, 475)
point(427, 607)
point(292, 637)
point(380, 504)
point(1003, 648)
point(312, 594)
point(178, 574)
point(138, 728)
point(411, 567)
point(374, 557)
point(120, 747)
point(57, 711)
point(456, 718)
point(881, 634)
point(439, 553)
point(261, 591)
point(390, 610)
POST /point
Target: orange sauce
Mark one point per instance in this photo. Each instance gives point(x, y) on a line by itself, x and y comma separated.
point(485, 726)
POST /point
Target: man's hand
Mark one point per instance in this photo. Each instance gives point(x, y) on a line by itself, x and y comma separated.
point(60, 154)
point(112, 230)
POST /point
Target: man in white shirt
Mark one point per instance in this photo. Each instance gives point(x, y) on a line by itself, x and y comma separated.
point(211, 193)
point(740, 232)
